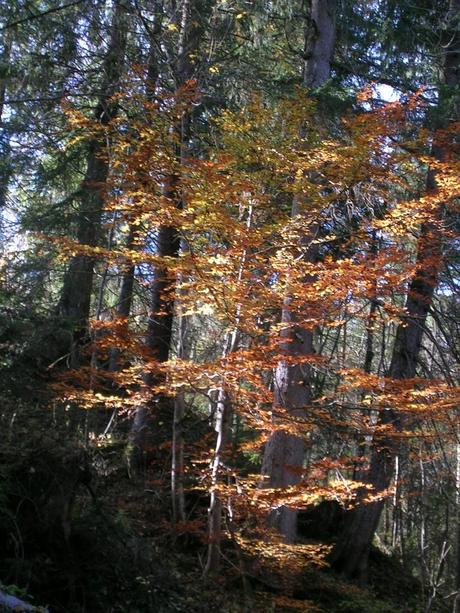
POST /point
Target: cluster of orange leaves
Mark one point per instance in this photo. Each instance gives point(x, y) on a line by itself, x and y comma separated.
point(245, 252)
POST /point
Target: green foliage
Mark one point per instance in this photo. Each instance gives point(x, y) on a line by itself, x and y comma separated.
point(366, 603)
point(392, 580)
point(17, 591)
point(29, 344)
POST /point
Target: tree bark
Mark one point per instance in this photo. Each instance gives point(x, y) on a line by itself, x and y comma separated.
point(351, 552)
point(158, 341)
point(178, 442)
point(76, 294)
point(456, 607)
point(5, 164)
point(319, 43)
point(222, 427)
point(284, 453)
point(125, 300)
point(362, 444)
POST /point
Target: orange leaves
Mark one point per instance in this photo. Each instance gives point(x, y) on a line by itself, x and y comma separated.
point(262, 160)
point(359, 201)
point(284, 554)
point(416, 398)
point(309, 493)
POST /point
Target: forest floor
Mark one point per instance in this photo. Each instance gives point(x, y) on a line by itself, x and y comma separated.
point(255, 576)
point(108, 548)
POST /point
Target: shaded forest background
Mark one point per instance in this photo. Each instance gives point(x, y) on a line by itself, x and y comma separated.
point(229, 317)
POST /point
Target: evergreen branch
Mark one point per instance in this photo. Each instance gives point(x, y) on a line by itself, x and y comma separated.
point(17, 22)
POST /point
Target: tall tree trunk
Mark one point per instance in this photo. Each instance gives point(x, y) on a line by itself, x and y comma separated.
point(5, 164)
point(122, 312)
point(125, 300)
point(351, 552)
point(222, 427)
point(369, 355)
point(452, 70)
point(77, 288)
point(159, 330)
point(158, 341)
point(362, 444)
point(177, 451)
point(125, 297)
point(178, 442)
point(284, 453)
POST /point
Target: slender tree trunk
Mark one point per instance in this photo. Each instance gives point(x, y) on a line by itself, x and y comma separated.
point(369, 356)
point(351, 552)
point(177, 459)
point(284, 453)
point(158, 409)
point(183, 72)
point(222, 427)
point(125, 298)
point(456, 607)
point(178, 443)
point(77, 288)
point(7, 45)
point(368, 360)
point(224, 415)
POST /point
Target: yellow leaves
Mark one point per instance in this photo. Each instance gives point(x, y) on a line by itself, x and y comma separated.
point(247, 257)
point(76, 140)
point(285, 564)
point(284, 554)
point(201, 309)
point(251, 270)
point(367, 401)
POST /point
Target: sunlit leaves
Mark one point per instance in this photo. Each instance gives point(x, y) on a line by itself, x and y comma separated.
point(245, 258)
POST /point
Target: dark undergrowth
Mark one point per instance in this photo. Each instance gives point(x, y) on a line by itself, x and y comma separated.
point(80, 536)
